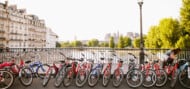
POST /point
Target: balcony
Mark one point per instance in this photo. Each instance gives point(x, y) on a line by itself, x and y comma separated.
point(2, 31)
point(15, 39)
point(2, 38)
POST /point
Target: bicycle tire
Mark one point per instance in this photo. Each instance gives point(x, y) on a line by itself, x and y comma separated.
point(26, 73)
point(132, 75)
point(10, 76)
point(116, 82)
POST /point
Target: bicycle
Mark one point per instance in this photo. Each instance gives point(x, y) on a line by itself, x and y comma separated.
point(78, 70)
point(95, 73)
point(118, 74)
point(172, 72)
point(51, 71)
point(134, 76)
point(184, 74)
point(107, 73)
point(6, 79)
point(149, 74)
point(38, 68)
point(161, 74)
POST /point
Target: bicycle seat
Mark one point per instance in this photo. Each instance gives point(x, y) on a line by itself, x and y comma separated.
point(101, 58)
point(146, 62)
point(69, 58)
point(131, 60)
point(82, 59)
point(90, 60)
point(156, 61)
point(110, 59)
point(27, 62)
point(62, 61)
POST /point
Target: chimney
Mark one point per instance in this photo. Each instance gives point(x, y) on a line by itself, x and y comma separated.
point(6, 4)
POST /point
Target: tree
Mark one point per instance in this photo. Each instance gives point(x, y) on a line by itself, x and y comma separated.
point(58, 45)
point(76, 43)
point(185, 15)
point(93, 43)
point(65, 44)
point(136, 43)
point(111, 43)
point(169, 32)
point(127, 41)
point(153, 38)
point(183, 42)
point(104, 44)
point(121, 42)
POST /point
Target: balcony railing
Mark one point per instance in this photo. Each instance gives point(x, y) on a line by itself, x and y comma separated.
point(49, 55)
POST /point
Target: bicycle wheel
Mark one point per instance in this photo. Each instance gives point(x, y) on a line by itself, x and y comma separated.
point(59, 77)
point(42, 70)
point(6, 79)
point(81, 78)
point(47, 77)
point(134, 78)
point(117, 78)
point(69, 74)
point(106, 78)
point(161, 78)
point(174, 79)
point(183, 79)
point(93, 78)
point(150, 78)
point(25, 76)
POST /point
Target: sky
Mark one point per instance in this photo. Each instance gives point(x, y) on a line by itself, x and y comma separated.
point(88, 19)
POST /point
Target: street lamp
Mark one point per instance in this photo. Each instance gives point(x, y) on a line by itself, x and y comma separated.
point(141, 54)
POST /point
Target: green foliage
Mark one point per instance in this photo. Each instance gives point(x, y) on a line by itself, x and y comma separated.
point(58, 45)
point(93, 43)
point(65, 44)
point(127, 41)
point(76, 43)
point(183, 42)
point(136, 43)
point(104, 44)
point(111, 43)
point(153, 38)
point(185, 15)
point(121, 42)
point(169, 32)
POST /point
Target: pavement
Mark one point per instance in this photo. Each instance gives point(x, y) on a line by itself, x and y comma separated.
point(37, 84)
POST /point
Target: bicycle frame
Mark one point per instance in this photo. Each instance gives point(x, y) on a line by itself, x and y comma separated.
point(108, 67)
point(171, 69)
point(37, 64)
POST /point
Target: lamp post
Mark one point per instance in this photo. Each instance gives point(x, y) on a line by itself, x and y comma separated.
point(141, 54)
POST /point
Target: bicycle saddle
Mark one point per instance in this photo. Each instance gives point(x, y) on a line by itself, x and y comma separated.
point(62, 61)
point(82, 59)
point(27, 62)
point(156, 61)
point(146, 62)
point(101, 58)
point(90, 60)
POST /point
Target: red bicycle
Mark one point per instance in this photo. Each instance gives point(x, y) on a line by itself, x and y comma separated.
point(52, 71)
point(149, 74)
point(76, 69)
point(172, 72)
point(6, 77)
point(107, 73)
point(24, 73)
point(118, 74)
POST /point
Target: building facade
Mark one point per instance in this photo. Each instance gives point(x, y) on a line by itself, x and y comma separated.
point(19, 29)
point(51, 38)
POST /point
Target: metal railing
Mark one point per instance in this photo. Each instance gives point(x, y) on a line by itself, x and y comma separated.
point(48, 55)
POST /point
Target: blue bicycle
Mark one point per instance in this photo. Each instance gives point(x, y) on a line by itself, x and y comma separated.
point(184, 74)
point(38, 69)
point(95, 73)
